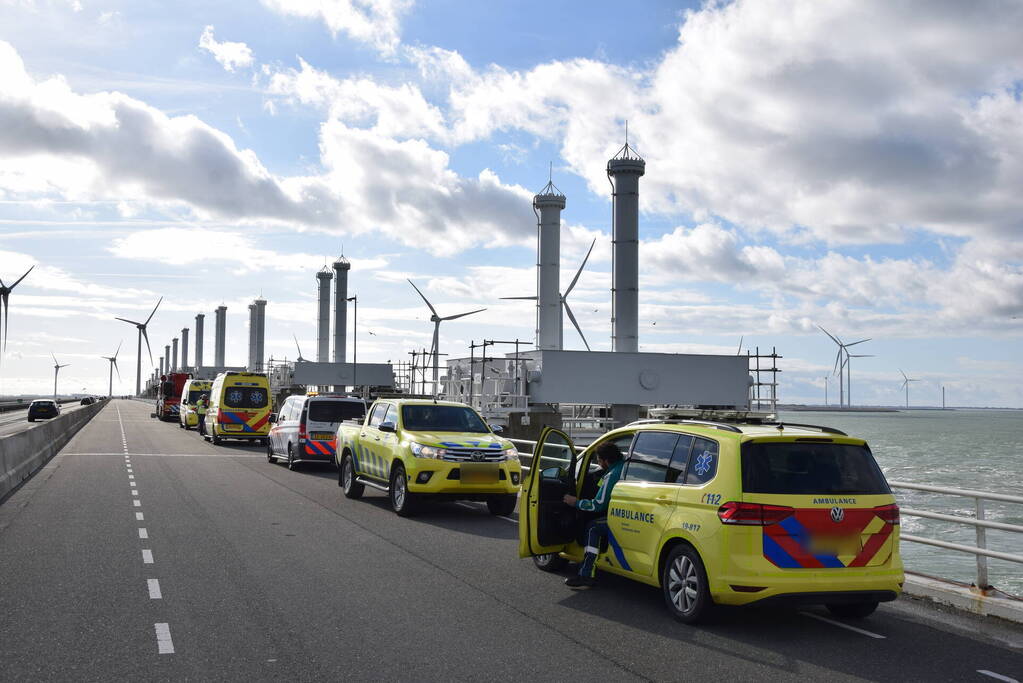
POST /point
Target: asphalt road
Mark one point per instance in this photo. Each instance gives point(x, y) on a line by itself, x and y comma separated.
point(148, 553)
point(15, 421)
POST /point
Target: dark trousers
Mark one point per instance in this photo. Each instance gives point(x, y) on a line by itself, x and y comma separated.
point(202, 425)
point(596, 532)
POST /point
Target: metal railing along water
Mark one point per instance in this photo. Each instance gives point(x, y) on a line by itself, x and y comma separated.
point(979, 522)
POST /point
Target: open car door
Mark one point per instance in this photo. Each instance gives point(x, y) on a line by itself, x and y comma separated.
point(546, 524)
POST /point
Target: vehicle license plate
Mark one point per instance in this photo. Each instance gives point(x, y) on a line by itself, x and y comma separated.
point(233, 428)
point(322, 436)
point(482, 473)
point(835, 545)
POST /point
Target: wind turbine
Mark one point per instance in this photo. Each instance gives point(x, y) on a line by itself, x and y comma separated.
point(437, 320)
point(564, 300)
point(56, 370)
point(300, 359)
point(842, 364)
point(905, 384)
point(113, 366)
point(142, 333)
point(5, 308)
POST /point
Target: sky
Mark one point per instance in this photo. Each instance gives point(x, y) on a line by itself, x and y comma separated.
point(852, 165)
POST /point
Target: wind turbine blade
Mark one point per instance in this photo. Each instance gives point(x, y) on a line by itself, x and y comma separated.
point(568, 309)
point(432, 309)
point(739, 351)
point(142, 331)
point(136, 324)
point(19, 279)
point(857, 342)
point(861, 355)
point(518, 298)
point(55, 361)
point(462, 315)
point(837, 359)
point(118, 349)
point(154, 311)
point(833, 337)
point(117, 370)
point(902, 373)
point(580, 271)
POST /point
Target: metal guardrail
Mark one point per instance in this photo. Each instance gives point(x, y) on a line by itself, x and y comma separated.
point(979, 522)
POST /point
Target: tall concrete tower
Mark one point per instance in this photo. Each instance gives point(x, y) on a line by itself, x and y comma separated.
point(184, 349)
point(166, 359)
point(220, 336)
point(251, 364)
point(323, 279)
point(199, 319)
point(341, 268)
point(548, 205)
point(161, 367)
point(624, 170)
point(174, 355)
point(257, 323)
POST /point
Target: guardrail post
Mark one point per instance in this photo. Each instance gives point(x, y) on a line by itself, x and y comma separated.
point(982, 583)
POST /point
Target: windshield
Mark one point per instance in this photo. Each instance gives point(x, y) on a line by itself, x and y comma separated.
point(193, 396)
point(810, 468)
point(435, 418)
point(245, 397)
point(336, 411)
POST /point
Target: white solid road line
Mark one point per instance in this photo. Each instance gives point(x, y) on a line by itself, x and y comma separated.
point(139, 516)
point(147, 556)
point(143, 532)
point(164, 644)
point(998, 677)
point(154, 589)
point(841, 625)
point(138, 503)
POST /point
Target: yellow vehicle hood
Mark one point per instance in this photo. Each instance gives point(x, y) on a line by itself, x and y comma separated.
point(459, 440)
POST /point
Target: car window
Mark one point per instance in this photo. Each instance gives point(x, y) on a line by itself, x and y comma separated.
point(336, 410)
point(245, 397)
point(623, 441)
point(440, 418)
point(651, 453)
point(810, 468)
point(286, 411)
point(703, 461)
point(679, 459)
point(392, 415)
point(377, 416)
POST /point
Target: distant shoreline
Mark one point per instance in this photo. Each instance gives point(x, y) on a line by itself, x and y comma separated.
point(799, 407)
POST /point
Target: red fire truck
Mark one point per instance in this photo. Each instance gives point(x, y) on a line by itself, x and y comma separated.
point(168, 402)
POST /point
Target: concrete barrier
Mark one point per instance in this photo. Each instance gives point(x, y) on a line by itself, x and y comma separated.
point(23, 453)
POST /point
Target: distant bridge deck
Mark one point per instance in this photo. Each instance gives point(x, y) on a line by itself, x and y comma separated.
point(142, 551)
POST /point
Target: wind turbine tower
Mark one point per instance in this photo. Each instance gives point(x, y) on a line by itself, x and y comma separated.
point(905, 384)
point(141, 327)
point(437, 320)
point(842, 367)
point(113, 366)
point(56, 370)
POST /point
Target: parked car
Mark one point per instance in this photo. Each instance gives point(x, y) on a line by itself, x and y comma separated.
point(305, 429)
point(87, 401)
point(43, 409)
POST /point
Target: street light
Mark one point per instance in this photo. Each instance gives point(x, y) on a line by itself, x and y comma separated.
point(355, 342)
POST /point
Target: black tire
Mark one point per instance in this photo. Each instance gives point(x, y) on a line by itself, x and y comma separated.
point(551, 562)
point(403, 501)
point(684, 585)
point(31, 419)
point(855, 610)
point(270, 457)
point(214, 439)
point(502, 505)
point(292, 465)
point(346, 479)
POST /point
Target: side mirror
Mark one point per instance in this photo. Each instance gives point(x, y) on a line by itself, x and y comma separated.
point(496, 429)
point(273, 418)
point(387, 427)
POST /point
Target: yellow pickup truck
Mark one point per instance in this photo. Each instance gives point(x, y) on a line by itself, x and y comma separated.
point(414, 449)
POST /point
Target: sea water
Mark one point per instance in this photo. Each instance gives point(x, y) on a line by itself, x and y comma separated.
point(980, 450)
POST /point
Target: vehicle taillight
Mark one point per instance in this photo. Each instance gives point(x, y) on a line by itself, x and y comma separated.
point(752, 514)
point(220, 416)
point(889, 514)
point(301, 430)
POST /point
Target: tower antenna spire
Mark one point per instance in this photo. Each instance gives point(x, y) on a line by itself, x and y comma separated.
point(626, 131)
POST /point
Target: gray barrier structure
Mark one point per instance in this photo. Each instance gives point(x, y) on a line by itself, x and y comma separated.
point(23, 453)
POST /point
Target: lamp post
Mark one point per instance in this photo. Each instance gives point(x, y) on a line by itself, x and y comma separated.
point(355, 341)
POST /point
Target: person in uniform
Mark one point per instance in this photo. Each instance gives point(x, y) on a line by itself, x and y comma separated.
point(609, 458)
point(201, 406)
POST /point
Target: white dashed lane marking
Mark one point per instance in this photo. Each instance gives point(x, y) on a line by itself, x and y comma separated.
point(861, 631)
point(164, 644)
point(143, 532)
point(134, 492)
point(137, 503)
point(139, 516)
point(997, 677)
point(147, 556)
point(154, 589)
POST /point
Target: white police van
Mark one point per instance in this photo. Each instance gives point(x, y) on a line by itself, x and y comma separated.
point(305, 428)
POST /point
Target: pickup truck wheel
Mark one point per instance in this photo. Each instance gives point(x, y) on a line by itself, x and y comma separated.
point(292, 465)
point(502, 505)
point(346, 479)
point(684, 582)
point(403, 501)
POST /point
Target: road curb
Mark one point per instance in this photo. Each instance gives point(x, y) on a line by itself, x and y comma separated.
point(962, 597)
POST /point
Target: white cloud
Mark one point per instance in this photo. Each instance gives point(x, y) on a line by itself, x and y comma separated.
point(376, 22)
point(230, 55)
